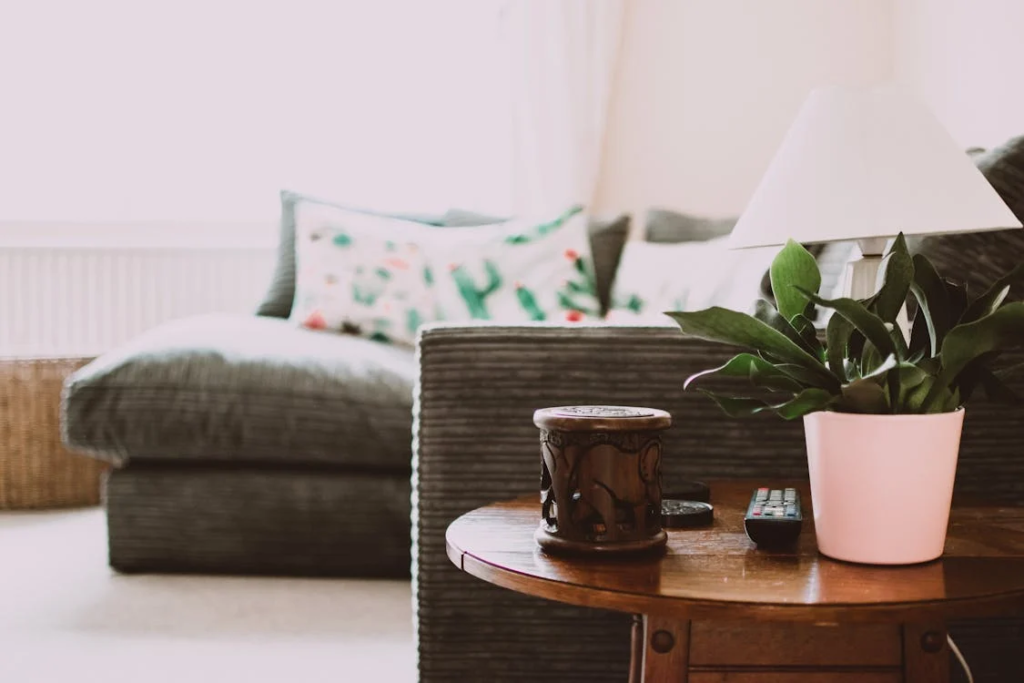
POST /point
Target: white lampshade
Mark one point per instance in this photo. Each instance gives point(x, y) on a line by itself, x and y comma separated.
point(863, 163)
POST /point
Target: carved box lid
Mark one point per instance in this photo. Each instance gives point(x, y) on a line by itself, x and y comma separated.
point(601, 418)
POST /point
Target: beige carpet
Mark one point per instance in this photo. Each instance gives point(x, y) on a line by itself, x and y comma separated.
point(65, 617)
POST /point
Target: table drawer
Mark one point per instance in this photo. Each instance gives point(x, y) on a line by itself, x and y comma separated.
point(780, 644)
point(791, 677)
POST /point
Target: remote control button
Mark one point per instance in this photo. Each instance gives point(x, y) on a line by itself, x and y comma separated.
point(757, 513)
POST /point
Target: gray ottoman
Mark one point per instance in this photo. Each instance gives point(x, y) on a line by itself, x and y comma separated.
point(244, 445)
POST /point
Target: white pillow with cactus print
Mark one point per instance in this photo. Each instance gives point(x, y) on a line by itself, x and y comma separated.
point(521, 271)
point(383, 277)
point(361, 274)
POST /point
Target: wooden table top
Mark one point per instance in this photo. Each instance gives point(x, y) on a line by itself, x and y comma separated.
point(717, 573)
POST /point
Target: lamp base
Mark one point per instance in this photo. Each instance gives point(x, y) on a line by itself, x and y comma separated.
point(864, 276)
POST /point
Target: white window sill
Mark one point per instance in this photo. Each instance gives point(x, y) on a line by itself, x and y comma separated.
point(156, 235)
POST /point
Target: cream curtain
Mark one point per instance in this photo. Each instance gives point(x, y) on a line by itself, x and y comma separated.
point(562, 61)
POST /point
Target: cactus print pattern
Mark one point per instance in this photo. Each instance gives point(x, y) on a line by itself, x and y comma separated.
point(354, 275)
point(534, 272)
point(354, 284)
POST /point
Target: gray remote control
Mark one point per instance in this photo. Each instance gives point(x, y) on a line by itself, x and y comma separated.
point(773, 517)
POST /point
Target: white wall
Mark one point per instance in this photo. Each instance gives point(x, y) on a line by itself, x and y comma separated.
point(707, 88)
point(966, 59)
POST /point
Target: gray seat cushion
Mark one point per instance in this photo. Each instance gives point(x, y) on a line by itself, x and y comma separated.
point(245, 388)
point(232, 519)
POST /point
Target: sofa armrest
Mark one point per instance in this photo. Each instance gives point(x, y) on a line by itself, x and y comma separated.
point(475, 442)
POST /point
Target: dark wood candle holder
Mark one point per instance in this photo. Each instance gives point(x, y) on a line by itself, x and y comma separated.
point(601, 478)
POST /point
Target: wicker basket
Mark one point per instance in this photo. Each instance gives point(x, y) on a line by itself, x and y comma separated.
point(36, 471)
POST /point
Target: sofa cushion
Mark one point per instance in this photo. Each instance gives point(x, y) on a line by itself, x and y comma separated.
point(231, 388)
point(607, 237)
point(686, 276)
point(665, 225)
point(277, 302)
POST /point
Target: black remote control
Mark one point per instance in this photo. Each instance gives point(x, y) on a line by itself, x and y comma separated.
point(773, 517)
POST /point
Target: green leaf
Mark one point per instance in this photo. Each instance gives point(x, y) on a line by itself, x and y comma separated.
point(896, 334)
point(899, 273)
point(767, 314)
point(956, 295)
point(952, 403)
point(914, 399)
point(807, 401)
point(865, 396)
point(736, 406)
point(870, 359)
point(932, 301)
point(882, 368)
point(760, 372)
point(866, 322)
point(910, 377)
point(970, 377)
point(729, 327)
point(794, 269)
point(1003, 329)
point(809, 333)
point(988, 302)
point(768, 377)
point(809, 378)
point(997, 391)
point(837, 336)
point(920, 336)
point(737, 366)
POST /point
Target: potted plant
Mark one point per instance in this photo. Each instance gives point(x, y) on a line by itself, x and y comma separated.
point(882, 408)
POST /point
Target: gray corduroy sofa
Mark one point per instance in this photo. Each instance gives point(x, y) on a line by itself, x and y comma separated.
point(476, 443)
point(244, 445)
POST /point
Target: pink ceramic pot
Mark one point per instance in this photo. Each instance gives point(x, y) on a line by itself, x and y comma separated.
point(881, 485)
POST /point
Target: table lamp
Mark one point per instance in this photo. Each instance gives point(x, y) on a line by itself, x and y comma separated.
point(864, 164)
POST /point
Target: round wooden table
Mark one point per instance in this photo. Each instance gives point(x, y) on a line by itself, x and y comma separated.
point(714, 608)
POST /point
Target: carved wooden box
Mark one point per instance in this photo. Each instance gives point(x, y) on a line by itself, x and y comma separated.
point(601, 478)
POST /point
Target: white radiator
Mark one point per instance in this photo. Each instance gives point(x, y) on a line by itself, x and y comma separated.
point(82, 301)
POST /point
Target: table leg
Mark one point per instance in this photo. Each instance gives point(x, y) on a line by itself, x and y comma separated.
point(925, 653)
point(664, 651)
